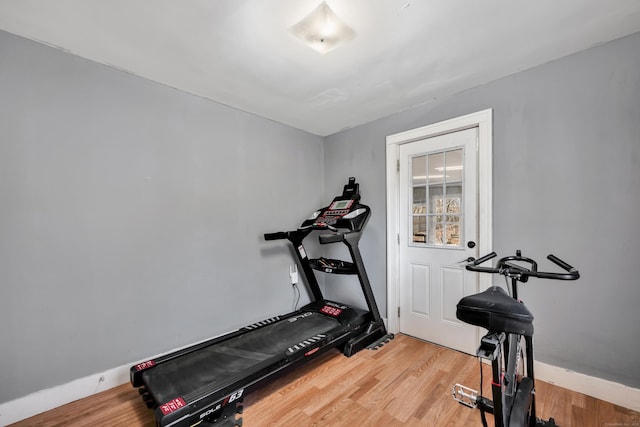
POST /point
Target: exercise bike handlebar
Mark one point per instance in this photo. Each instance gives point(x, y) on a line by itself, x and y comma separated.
point(554, 259)
point(571, 274)
point(504, 267)
point(487, 257)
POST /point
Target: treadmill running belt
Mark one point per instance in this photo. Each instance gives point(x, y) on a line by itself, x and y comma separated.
point(219, 363)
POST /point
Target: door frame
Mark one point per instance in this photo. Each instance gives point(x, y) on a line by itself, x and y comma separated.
point(483, 121)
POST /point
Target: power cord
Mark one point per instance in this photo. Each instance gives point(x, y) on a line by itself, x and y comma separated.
point(296, 297)
point(293, 275)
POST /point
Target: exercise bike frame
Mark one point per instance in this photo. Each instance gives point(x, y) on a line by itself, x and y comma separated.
point(512, 388)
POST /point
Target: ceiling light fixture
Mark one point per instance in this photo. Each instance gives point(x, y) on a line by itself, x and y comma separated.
point(322, 30)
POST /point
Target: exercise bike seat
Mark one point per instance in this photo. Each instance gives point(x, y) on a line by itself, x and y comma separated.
point(496, 311)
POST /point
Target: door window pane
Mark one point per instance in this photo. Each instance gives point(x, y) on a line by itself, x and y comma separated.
point(454, 166)
point(436, 232)
point(419, 229)
point(419, 200)
point(419, 170)
point(452, 234)
point(436, 168)
point(435, 199)
point(436, 205)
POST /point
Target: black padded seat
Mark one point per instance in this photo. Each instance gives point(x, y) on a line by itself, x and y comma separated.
point(496, 311)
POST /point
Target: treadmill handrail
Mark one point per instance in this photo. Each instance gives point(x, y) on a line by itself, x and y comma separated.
point(331, 238)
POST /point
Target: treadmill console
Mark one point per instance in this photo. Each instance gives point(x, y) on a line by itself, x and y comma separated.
point(345, 211)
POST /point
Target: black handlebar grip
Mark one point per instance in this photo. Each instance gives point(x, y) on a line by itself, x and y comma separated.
point(472, 267)
point(574, 275)
point(275, 236)
point(554, 259)
point(485, 258)
point(331, 238)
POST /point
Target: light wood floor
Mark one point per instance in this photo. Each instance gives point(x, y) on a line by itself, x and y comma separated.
point(406, 383)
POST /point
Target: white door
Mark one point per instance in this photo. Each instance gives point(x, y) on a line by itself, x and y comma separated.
point(438, 229)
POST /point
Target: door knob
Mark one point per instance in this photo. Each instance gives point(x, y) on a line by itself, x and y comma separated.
point(471, 244)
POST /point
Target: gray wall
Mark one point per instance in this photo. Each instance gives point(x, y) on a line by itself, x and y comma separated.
point(566, 180)
point(131, 216)
point(128, 223)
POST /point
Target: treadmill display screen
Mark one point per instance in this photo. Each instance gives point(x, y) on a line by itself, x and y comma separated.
point(340, 204)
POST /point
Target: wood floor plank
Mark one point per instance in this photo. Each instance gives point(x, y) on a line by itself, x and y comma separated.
point(406, 383)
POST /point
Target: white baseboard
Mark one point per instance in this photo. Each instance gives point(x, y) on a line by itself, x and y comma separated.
point(608, 391)
point(44, 400)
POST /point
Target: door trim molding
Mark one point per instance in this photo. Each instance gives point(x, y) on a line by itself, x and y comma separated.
point(483, 121)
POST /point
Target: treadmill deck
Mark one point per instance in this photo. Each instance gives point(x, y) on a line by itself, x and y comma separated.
point(218, 364)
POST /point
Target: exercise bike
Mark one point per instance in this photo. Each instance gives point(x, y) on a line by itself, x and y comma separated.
point(508, 343)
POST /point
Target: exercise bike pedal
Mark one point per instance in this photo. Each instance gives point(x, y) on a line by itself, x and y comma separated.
point(465, 395)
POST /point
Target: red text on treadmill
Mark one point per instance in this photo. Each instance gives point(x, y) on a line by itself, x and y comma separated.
point(331, 311)
point(145, 365)
point(172, 405)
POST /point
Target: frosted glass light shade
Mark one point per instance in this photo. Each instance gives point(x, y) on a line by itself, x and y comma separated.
point(322, 30)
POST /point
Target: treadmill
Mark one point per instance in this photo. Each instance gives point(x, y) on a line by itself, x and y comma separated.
point(204, 384)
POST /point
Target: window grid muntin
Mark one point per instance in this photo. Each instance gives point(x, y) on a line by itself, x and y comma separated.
point(420, 210)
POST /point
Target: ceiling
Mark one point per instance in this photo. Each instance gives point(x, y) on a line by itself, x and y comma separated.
point(241, 53)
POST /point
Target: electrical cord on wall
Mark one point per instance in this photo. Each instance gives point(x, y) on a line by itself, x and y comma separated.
point(293, 275)
point(296, 296)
